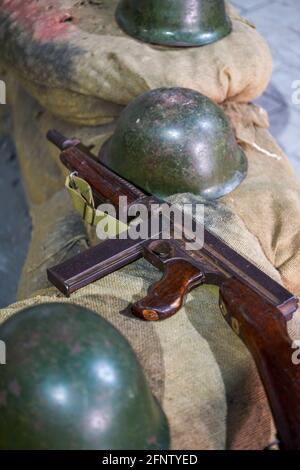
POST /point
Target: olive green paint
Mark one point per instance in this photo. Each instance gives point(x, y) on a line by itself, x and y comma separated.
point(72, 381)
point(175, 140)
point(174, 22)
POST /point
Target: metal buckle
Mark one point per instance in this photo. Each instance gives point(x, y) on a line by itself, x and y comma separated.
point(72, 182)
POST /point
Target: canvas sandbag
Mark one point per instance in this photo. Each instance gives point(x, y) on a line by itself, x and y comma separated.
point(75, 60)
point(200, 371)
point(83, 71)
point(268, 200)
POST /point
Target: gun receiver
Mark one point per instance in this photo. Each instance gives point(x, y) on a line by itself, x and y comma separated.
point(254, 305)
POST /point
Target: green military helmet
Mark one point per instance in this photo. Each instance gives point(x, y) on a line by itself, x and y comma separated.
point(182, 23)
point(72, 381)
point(175, 140)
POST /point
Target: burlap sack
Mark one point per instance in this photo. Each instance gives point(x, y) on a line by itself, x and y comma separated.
point(196, 366)
point(58, 232)
point(203, 375)
point(73, 58)
point(199, 370)
point(268, 201)
point(39, 160)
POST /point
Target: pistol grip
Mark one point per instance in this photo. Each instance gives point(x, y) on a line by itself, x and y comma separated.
point(167, 296)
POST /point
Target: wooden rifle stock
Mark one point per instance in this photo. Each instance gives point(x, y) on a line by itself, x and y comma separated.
point(264, 331)
point(261, 327)
point(255, 306)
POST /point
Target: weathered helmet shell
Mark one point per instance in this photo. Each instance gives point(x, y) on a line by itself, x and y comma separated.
point(175, 140)
point(181, 23)
point(72, 381)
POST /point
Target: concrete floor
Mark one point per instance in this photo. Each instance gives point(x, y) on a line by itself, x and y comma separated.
point(278, 21)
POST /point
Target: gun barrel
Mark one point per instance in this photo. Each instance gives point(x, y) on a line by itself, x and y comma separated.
point(60, 140)
point(109, 186)
point(56, 138)
point(106, 184)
